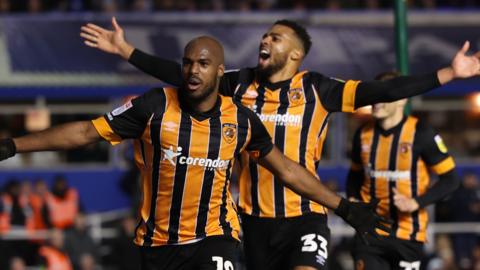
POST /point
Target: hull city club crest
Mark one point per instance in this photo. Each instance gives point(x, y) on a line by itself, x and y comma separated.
point(295, 95)
point(229, 132)
point(405, 147)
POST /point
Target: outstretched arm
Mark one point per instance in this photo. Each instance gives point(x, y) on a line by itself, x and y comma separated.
point(337, 95)
point(462, 66)
point(62, 137)
point(114, 42)
point(168, 71)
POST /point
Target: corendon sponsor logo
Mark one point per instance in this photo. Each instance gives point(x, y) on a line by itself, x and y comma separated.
point(390, 175)
point(279, 119)
point(175, 156)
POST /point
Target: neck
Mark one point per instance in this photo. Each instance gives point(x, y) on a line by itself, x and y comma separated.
point(286, 73)
point(391, 121)
point(204, 105)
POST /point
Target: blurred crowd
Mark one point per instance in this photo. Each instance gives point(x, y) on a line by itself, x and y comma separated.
point(35, 6)
point(462, 250)
point(46, 228)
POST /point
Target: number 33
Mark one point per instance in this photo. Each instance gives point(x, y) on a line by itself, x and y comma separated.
point(315, 242)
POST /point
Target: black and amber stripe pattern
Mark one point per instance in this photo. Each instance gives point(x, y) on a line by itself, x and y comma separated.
point(186, 165)
point(297, 121)
point(391, 161)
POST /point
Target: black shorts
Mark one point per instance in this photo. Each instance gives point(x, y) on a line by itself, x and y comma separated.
point(387, 253)
point(283, 243)
point(211, 253)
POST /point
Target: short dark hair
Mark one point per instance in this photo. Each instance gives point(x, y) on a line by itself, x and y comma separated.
point(300, 31)
point(384, 76)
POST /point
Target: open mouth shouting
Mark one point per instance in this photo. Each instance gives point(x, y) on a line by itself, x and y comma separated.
point(193, 83)
point(263, 56)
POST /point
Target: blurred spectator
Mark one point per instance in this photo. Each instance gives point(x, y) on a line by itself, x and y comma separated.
point(73, 5)
point(87, 262)
point(62, 204)
point(140, 5)
point(110, 6)
point(165, 5)
point(443, 259)
point(53, 256)
point(17, 263)
point(264, 4)
point(35, 6)
point(126, 256)
point(4, 6)
point(16, 214)
point(79, 243)
point(37, 200)
point(466, 201)
point(240, 5)
point(333, 5)
point(15, 209)
point(476, 257)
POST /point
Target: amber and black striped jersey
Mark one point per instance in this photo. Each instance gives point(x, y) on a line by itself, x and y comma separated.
point(186, 161)
point(295, 113)
point(397, 158)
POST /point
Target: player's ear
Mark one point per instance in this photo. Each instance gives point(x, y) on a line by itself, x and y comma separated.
point(220, 70)
point(296, 55)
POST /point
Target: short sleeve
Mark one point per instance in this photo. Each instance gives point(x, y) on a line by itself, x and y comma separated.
point(260, 143)
point(129, 120)
point(434, 151)
point(336, 95)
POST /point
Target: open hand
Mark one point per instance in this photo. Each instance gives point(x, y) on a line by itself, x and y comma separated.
point(465, 66)
point(107, 40)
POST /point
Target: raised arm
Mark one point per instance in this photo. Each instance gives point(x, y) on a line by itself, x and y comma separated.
point(346, 96)
point(114, 42)
point(62, 137)
point(462, 66)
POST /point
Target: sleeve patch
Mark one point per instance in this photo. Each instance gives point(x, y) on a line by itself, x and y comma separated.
point(440, 144)
point(122, 109)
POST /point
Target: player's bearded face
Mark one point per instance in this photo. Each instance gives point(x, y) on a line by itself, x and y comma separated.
point(199, 74)
point(274, 50)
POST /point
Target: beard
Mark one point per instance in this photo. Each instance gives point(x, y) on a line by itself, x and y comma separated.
point(202, 94)
point(265, 72)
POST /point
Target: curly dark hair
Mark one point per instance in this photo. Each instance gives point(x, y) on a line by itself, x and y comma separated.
point(300, 31)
